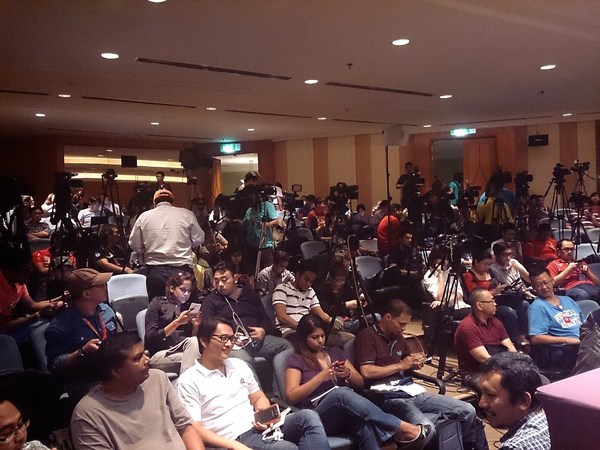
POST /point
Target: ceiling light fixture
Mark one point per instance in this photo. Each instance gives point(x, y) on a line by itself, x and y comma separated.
point(157, 1)
point(211, 108)
point(548, 67)
point(251, 129)
point(567, 114)
point(154, 123)
point(109, 150)
point(400, 42)
point(321, 118)
point(64, 95)
point(108, 55)
point(40, 115)
point(427, 126)
point(100, 156)
point(311, 81)
point(445, 96)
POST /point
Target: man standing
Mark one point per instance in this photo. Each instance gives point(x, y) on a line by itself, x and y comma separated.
point(383, 355)
point(408, 193)
point(579, 282)
point(222, 395)
point(242, 307)
point(388, 230)
point(160, 182)
point(134, 407)
point(479, 335)
point(74, 336)
point(508, 385)
point(164, 237)
point(553, 320)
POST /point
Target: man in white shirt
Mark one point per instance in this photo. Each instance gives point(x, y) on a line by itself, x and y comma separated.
point(276, 274)
point(222, 396)
point(165, 236)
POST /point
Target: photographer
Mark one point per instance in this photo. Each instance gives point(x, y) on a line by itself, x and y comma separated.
point(405, 182)
point(258, 223)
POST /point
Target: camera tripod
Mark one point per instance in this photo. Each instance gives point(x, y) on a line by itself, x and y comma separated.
point(559, 207)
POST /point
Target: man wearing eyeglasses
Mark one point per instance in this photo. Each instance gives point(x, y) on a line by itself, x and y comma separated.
point(574, 276)
point(242, 307)
point(479, 336)
point(222, 396)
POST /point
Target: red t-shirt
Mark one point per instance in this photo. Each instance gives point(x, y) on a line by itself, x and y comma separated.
point(388, 228)
point(537, 248)
point(576, 277)
point(10, 295)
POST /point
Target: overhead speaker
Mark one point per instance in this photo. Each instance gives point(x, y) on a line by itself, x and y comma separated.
point(395, 135)
point(128, 161)
point(538, 140)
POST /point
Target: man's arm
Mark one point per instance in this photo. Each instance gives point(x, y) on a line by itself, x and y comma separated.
point(282, 316)
point(590, 275)
point(509, 345)
point(319, 312)
point(560, 277)
point(212, 439)
point(372, 372)
point(547, 339)
point(107, 266)
point(191, 438)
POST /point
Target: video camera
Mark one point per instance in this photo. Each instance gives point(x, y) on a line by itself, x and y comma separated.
point(340, 194)
point(559, 172)
point(581, 168)
point(579, 199)
point(470, 193)
point(499, 178)
point(109, 175)
point(522, 180)
point(291, 202)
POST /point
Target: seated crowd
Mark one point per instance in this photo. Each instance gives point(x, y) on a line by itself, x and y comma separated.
point(220, 310)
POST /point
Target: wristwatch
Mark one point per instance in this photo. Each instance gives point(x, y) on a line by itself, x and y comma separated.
point(80, 354)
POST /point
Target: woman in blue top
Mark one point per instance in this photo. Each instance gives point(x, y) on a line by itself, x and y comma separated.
point(322, 379)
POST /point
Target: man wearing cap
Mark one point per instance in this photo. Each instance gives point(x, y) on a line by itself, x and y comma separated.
point(164, 237)
point(74, 336)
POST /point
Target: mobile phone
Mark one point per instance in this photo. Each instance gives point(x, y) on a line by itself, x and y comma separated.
point(268, 415)
point(194, 308)
point(339, 363)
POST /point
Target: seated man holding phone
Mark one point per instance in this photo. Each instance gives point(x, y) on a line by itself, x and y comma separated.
point(382, 355)
point(226, 403)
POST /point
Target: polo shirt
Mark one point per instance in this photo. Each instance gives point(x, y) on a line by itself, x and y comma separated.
point(297, 304)
point(220, 400)
point(573, 279)
point(471, 334)
point(371, 346)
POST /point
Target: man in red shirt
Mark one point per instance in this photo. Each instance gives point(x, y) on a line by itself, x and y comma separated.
point(388, 231)
point(579, 282)
point(541, 248)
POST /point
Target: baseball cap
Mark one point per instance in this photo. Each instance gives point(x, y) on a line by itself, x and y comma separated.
point(80, 280)
point(162, 193)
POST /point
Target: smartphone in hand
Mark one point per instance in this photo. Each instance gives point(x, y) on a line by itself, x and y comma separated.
point(268, 415)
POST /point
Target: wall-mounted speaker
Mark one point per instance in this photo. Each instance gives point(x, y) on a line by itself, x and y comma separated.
point(538, 140)
point(395, 135)
point(128, 161)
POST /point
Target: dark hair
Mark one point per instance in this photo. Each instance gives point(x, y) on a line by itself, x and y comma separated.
point(338, 269)
point(114, 350)
point(161, 172)
point(536, 271)
point(280, 256)
point(16, 388)
point(225, 266)
point(559, 244)
point(177, 280)
point(499, 248)
point(395, 307)
point(36, 208)
point(518, 372)
point(408, 163)
point(507, 226)
point(360, 206)
point(306, 326)
point(207, 329)
point(436, 253)
point(306, 265)
point(482, 254)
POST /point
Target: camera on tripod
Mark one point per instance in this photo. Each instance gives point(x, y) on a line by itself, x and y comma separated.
point(470, 193)
point(579, 199)
point(499, 178)
point(560, 172)
point(581, 168)
point(522, 180)
point(110, 175)
point(291, 201)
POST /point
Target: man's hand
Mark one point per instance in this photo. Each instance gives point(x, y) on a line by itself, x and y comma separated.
point(257, 333)
point(235, 445)
point(413, 361)
point(352, 304)
point(91, 346)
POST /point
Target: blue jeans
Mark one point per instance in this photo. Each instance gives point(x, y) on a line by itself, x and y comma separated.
point(514, 320)
point(583, 291)
point(428, 409)
point(343, 410)
point(301, 430)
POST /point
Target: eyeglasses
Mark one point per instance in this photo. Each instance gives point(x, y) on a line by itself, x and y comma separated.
point(10, 434)
point(539, 284)
point(224, 339)
point(184, 290)
point(488, 301)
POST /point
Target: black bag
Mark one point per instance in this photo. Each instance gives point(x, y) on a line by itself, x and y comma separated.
point(449, 435)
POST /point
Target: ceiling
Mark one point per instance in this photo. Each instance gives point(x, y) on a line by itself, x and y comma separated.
point(487, 55)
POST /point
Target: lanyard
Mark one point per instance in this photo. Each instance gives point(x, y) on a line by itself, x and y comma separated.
point(102, 327)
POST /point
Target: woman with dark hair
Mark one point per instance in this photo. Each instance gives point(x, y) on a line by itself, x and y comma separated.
point(170, 325)
point(323, 379)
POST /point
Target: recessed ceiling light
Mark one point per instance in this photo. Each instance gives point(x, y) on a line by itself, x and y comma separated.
point(170, 159)
point(101, 156)
point(311, 81)
point(400, 42)
point(64, 95)
point(567, 114)
point(321, 118)
point(40, 115)
point(211, 108)
point(427, 126)
point(109, 150)
point(445, 96)
point(548, 67)
point(108, 55)
point(157, 1)
point(251, 129)
point(154, 123)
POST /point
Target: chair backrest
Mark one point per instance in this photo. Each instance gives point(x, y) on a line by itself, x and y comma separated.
point(279, 363)
point(368, 244)
point(567, 234)
point(127, 285)
point(349, 350)
point(587, 307)
point(268, 305)
point(584, 250)
point(368, 266)
point(593, 234)
point(140, 323)
point(310, 249)
point(128, 308)
point(595, 268)
point(305, 233)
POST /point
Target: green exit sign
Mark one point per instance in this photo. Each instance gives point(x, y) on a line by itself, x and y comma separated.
point(461, 132)
point(230, 148)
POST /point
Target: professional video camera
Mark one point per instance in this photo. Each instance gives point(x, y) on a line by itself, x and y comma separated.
point(559, 172)
point(142, 197)
point(291, 201)
point(522, 180)
point(581, 168)
point(63, 182)
point(109, 175)
point(499, 178)
point(470, 193)
point(579, 199)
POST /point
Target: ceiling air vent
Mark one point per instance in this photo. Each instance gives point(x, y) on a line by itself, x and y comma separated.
point(137, 102)
point(379, 89)
point(262, 113)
